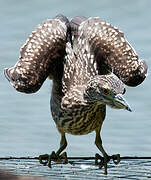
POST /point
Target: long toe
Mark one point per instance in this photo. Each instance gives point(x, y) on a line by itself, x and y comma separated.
point(46, 159)
point(99, 160)
point(102, 162)
point(116, 158)
point(64, 156)
point(43, 159)
point(106, 160)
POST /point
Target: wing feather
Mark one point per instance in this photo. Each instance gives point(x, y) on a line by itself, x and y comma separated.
point(112, 51)
point(39, 56)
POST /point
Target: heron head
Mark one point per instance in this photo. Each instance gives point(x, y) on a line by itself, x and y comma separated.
point(108, 90)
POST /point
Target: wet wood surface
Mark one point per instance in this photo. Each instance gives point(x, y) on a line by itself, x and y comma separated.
point(78, 169)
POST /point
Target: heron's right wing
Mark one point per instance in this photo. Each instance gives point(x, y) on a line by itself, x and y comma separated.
point(40, 56)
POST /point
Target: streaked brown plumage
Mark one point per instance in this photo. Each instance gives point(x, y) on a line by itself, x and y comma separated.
point(89, 62)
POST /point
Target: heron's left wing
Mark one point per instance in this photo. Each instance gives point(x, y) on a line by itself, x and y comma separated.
point(98, 41)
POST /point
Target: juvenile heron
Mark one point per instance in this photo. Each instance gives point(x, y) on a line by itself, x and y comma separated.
point(89, 62)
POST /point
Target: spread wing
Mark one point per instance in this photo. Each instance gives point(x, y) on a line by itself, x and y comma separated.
point(107, 46)
point(40, 56)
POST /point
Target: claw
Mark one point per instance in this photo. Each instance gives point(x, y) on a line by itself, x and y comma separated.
point(46, 159)
point(99, 160)
point(64, 156)
point(43, 159)
point(106, 160)
point(51, 157)
point(103, 162)
point(116, 158)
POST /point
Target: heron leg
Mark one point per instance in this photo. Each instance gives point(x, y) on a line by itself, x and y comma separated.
point(106, 158)
point(57, 157)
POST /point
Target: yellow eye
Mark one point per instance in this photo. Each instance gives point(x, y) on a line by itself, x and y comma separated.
point(106, 91)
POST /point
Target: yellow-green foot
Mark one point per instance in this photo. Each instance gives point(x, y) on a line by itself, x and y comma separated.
point(46, 159)
point(103, 161)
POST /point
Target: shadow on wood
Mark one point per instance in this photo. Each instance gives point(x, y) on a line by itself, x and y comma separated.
point(6, 175)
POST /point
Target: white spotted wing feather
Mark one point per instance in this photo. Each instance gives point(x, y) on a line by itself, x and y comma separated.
point(38, 56)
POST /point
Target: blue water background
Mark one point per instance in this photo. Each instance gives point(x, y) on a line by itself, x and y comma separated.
point(26, 125)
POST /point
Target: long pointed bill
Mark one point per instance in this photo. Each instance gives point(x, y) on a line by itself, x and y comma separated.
point(121, 103)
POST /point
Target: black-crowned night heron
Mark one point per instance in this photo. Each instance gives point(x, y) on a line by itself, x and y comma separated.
point(89, 62)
